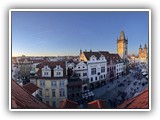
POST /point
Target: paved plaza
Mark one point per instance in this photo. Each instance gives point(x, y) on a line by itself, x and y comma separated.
point(122, 89)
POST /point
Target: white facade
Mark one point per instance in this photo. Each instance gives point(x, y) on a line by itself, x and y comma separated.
point(119, 69)
point(46, 71)
point(97, 69)
point(58, 71)
point(81, 70)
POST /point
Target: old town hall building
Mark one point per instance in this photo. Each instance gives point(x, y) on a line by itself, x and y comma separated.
point(122, 46)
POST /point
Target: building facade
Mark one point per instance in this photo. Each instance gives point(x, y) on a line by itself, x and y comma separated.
point(81, 69)
point(97, 68)
point(74, 88)
point(52, 81)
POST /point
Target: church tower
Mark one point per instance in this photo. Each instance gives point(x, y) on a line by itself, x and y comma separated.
point(122, 46)
point(140, 51)
point(145, 51)
point(143, 54)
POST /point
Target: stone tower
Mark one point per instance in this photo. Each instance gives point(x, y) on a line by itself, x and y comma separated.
point(122, 46)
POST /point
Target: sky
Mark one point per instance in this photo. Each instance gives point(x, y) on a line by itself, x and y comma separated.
point(65, 33)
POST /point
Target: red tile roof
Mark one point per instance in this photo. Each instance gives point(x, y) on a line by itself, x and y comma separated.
point(110, 56)
point(22, 99)
point(137, 102)
point(30, 87)
point(52, 65)
point(89, 54)
point(106, 54)
point(101, 104)
point(68, 104)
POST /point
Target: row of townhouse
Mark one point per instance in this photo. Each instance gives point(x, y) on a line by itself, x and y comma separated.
point(97, 68)
point(93, 70)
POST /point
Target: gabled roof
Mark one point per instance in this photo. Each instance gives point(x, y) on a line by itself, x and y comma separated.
point(115, 57)
point(68, 104)
point(97, 104)
point(89, 54)
point(138, 102)
point(30, 87)
point(22, 99)
point(110, 56)
point(51, 65)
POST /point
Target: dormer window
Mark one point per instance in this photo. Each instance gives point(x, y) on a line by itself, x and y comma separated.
point(93, 58)
point(46, 71)
point(58, 71)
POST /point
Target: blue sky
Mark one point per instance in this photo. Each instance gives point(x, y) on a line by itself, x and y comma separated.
point(65, 33)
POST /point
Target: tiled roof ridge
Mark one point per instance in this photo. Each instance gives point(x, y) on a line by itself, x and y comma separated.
point(30, 94)
point(21, 87)
point(71, 101)
point(141, 93)
point(136, 100)
point(98, 102)
point(30, 86)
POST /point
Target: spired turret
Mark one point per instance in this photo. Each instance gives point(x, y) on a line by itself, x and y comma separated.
point(140, 47)
point(145, 46)
point(122, 36)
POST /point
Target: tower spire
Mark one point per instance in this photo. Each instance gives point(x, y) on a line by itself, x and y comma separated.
point(145, 46)
point(122, 36)
point(140, 46)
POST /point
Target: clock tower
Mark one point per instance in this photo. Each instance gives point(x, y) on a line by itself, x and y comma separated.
point(122, 46)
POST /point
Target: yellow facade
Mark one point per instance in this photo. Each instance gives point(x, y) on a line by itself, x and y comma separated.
point(49, 88)
point(143, 55)
point(83, 57)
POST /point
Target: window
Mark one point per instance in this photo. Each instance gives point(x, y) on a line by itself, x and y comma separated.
point(84, 74)
point(104, 76)
point(47, 93)
point(53, 104)
point(91, 79)
point(93, 71)
point(54, 84)
point(108, 69)
point(45, 73)
point(42, 83)
point(53, 93)
point(101, 76)
point(102, 69)
point(58, 73)
point(40, 91)
point(61, 83)
point(61, 93)
point(95, 78)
